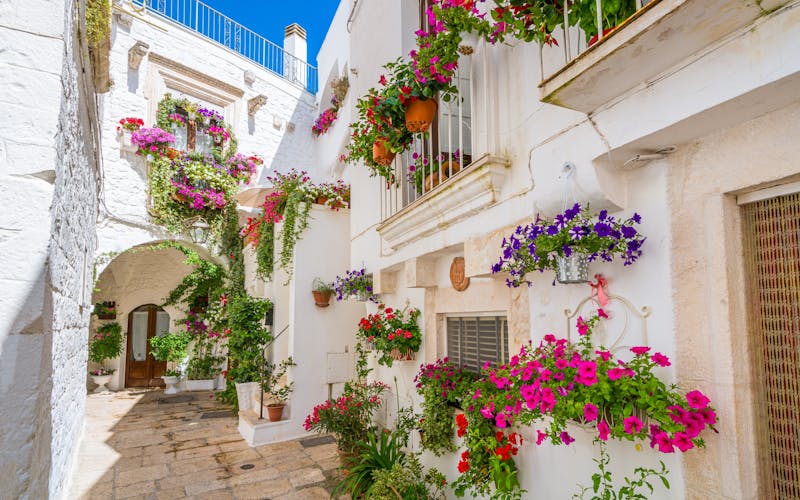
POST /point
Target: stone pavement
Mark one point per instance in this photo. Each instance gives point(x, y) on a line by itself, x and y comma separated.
point(136, 445)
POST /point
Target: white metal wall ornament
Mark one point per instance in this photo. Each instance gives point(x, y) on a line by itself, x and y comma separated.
point(613, 333)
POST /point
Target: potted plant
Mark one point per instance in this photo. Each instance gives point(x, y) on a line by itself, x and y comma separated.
point(125, 129)
point(354, 284)
point(395, 335)
point(426, 175)
point(567, 243)
point(274, 384)
point(105, 344)
point(322, 291)
point(170, 347)
point(201, 372)
point(584, 14)
point(151, 142)
point(105, 310)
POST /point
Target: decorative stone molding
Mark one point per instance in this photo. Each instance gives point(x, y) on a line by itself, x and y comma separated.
point(385, 281)
point(175, 74)
point(255, 103)
point(136, 53)
point(421, 273)
point(122, 17)
point(471, 190)
point(249, 77)
point(290, 127)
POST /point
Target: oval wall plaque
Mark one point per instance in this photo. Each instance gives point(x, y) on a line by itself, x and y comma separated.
point(457, 275)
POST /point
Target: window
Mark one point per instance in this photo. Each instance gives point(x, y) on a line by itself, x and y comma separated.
point(474, 340)
point(191, 135)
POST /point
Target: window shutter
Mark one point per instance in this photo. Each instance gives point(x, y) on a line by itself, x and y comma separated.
point(474, 340)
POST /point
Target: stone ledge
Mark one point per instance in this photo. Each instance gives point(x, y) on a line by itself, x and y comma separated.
point(471, 190)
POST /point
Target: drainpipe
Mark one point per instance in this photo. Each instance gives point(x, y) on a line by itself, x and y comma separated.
point(295, 46)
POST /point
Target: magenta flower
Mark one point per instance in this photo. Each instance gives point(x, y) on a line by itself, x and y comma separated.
point(590, 412)
point(603, 430)
point(540, 437)
point(603, 354)
point(566, 438)
point(583, 328)
point(500, 420)
point(640, 350)
point(660, 359)
point(682, 441)
point(632, 425)
point(697, 400)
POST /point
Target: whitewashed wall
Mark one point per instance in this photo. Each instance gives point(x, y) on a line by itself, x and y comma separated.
point(749, 73)
point(47, 236)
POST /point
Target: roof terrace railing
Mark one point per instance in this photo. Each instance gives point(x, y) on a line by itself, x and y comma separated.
point(219, 28)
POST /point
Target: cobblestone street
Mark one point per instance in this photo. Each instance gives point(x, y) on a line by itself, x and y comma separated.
point(143, 444)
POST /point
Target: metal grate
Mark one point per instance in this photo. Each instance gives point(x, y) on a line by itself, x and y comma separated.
point(771, 237)
point(472, 341)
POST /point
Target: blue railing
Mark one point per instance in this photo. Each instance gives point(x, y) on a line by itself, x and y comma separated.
point(219, 28)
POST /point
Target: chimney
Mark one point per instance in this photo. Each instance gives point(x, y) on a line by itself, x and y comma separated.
point(294, 41)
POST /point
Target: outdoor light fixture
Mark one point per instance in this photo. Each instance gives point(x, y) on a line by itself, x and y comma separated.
point(198, 230)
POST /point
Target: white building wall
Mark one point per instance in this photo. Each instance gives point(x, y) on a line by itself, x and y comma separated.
point(746, 74)
point(47, 235)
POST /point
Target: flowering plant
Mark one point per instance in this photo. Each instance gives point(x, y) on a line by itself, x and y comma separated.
point(327, 117)
point(151, 141)
point(324, 121)
point(441, 385)
point(210, 114)
point(536, 245)
point(176, 119)
point(130, 123)
point(106, 343)
point(105, 310)
point(218, 134)
point(334, 195)
point(102, 372)
point(578, 382)
point(527, 21)
point(348, 417)
point(422, 168)
point(241, 167)
point(394, 334)
point(355, 283)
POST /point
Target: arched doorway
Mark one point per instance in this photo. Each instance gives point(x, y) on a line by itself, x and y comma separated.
point(141, 369)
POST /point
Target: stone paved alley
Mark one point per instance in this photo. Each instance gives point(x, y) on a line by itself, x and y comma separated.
point(143, 444)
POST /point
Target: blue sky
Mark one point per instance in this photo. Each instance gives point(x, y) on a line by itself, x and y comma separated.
point(269, 17)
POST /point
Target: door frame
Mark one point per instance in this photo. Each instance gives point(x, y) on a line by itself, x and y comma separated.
point(152, 311)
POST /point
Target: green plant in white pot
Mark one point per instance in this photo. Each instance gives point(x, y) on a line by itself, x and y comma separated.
point(105, 344)
point(171, 348)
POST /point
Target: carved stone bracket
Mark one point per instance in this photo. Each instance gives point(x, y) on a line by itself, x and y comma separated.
point(136, 53)
point(249, 77)
point(255, 103)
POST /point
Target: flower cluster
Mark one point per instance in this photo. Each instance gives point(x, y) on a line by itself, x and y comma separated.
point(151, 141)
point(218, 134)
point(329, 116)
point(102, 372)
point(106, 343)
point(447, 378)
point(393, 334)
point(334, 195)
point(210, 114)
point(241, 167)
point(444, 166)
point(355, 283)
point(130, 123)
point(349, 417)
point(105, 310)
point(176, 119)
point(535, 246)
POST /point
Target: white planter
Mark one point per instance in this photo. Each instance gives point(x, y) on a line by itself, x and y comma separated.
point(125, 143)
point(101, 381)
point(245, 392)
point(172, 384)
point(200, 385)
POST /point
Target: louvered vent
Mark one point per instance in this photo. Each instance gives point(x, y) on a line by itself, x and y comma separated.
point(474, 340)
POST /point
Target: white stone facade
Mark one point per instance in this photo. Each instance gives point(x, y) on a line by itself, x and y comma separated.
point(47, 232)
point(720, 103)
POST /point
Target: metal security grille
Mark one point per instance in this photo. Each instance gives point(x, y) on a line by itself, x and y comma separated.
point(772, 257)
point(474, 340)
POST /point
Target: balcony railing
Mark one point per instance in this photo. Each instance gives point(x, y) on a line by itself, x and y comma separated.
point(437, 156)
point(573, 42)
point(221, 29)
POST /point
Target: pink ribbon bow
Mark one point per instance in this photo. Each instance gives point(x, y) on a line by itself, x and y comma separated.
point(599, 289)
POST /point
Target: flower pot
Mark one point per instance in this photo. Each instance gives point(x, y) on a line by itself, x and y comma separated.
point(450, 168)
point(434, 179)
point(125, 143)
point(172, 384)
point(469, 41)
point(381, 154)
point(244, 393)
point(321, 299)
point(572, 269)
point(321, 200)
point(101, 381)
point(420, 114)
point(275, 411)
point(398, 355)
point(179, 197)
point(107, 316)
point(200, 385)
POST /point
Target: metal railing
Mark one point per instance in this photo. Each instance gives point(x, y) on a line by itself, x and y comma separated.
point(219, 28)
point(574, 42)
point(436, 157)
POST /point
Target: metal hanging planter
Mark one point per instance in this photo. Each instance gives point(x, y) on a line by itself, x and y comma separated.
point(572, 269)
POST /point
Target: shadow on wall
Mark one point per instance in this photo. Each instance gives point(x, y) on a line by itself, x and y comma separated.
point(296, 145)
point(143, 442)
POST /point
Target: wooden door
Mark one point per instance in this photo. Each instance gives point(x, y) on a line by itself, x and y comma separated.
point(141, 369)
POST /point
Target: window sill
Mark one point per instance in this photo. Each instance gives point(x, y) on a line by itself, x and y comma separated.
point(471, 190)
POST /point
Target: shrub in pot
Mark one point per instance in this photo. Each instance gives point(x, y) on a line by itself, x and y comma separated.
point(322, 291)
point(170, 347)
point(105, 344)
point(274, 383)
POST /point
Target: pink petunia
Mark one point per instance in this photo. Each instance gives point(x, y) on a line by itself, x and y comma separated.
point(540, 437)
point(583, 328)
point(590, 412)
point(566, 438)
point(697, 400)
point(603, 430)
point(639, 350)
point(682, 441)
point(660, 359)
point(632, 425)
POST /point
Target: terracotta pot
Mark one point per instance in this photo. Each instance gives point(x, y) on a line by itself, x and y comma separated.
point(420, 114)
point(321, 200)
point(321, 299)
point(398, 355)
point(434, 179)
point(596, 38)
point(178, 197)
point(275, 411)
point(450, 168)
point(381, 154)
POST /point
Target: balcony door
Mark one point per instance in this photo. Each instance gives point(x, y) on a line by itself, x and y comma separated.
point(144, 323)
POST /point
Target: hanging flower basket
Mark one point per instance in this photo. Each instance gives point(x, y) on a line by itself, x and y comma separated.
point(572, 269)
point(381, 154)
point(398, 355)
point(420, 114)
